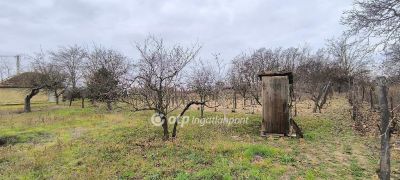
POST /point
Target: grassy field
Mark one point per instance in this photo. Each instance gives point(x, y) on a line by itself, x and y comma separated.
point(12, 96)
point(60, 142)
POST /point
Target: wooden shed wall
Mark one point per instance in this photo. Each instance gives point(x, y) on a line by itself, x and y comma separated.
point(275, 95)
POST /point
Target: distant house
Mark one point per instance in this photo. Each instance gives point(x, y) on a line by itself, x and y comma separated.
point(20, 82)
point(23, 80)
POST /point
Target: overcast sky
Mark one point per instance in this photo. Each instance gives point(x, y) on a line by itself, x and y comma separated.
point(220, 26)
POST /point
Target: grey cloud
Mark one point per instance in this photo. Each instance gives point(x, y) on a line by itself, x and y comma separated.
point(226, 26)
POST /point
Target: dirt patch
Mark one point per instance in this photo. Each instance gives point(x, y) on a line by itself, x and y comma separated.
point(78, 132)
point(257, 158)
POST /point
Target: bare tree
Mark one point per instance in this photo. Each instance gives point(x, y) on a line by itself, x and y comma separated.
point(248, 70)
point(105, 70)
point(248, 67)
point(70, 60)
point(234, 86)
point(219, 83)
point(159, 72)
point(54, 78)
point(5, 70)
point(379, 20)
point(351, 60)
point(315, 78)
point(375, 19)
point(201, 81)
point(239, 81)
point(279, 59)
point(351, 56)
point(46, 76)
point(392, 63)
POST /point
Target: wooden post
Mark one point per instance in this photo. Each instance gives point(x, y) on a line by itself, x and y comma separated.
point(384, 172)
point(391, 107)
point(371, 98)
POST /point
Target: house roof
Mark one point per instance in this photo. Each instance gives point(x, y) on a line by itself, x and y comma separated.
point(23, 80)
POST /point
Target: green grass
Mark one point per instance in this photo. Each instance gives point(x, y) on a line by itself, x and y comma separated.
point(356, 170)
point(60, 142)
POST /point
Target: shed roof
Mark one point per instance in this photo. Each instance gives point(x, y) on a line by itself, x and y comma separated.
point(277, 73)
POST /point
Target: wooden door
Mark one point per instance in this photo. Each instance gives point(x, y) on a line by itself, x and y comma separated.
point(275, 94)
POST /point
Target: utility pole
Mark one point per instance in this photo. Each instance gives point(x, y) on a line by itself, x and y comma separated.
point(18, 63)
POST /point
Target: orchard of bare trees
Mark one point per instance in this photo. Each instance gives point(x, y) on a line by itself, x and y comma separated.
point(167, 78)
point(172, 78)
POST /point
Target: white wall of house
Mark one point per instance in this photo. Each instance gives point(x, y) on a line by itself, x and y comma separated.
point(51, 97)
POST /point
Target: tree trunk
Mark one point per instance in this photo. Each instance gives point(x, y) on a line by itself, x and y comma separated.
point(315, 107)
point(109, 106)
point(325, 95)
point(321, 98)
point(201, 111)
point(27, 101)
point(70, 102)
point(57, 96)
point(83, 103)
point(234, 102)
point(354, 102)
point(202, 107)
point(391, 108)
point(27, 104)
point(354, 111)
point(180, 115)
point(363, 94)
point(252, 106)
point(165, 127)
point(58, 100)
point(296, 128)
point(295, 108)
point(244, 101)
point(384, 172)
point(316, 100)
point(215, 103)
point(371, 98)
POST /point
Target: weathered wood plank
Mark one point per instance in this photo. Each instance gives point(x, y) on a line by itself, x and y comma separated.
point(275, 101)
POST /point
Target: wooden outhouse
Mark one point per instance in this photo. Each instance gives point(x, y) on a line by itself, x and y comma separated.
point(275, 102)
